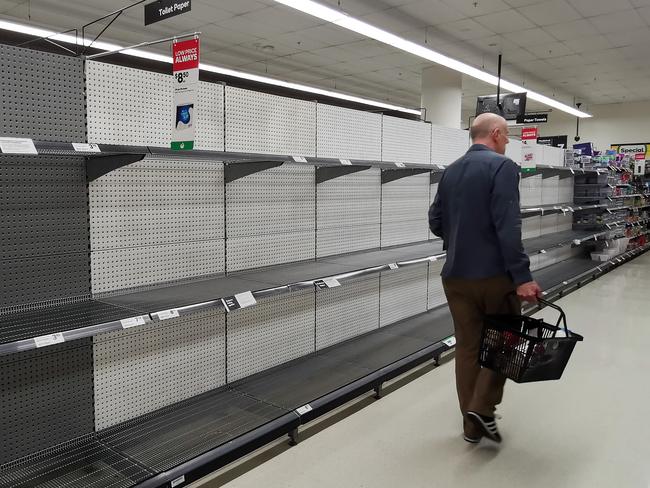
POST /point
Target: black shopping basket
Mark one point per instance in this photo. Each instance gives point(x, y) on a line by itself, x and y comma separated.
point(526, 349)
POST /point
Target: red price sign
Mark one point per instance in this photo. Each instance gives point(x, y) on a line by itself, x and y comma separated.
point(529, 133)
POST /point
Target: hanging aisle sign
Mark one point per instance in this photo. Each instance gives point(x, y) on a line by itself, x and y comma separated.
point(186, 85)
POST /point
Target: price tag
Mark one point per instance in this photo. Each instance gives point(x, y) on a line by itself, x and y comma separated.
point(168, 314)
point(177, 482)
point(393, 266)
point(331, 282)
point(133, 322)
point(94, 148)
point(400, 165)
point(241, 300)
point(577, 242)
point(14, 145)
point(450, 341)
point(346, 162)
point(304, 409)
point(299, 159)
point(543, 251)
point(440, 166)
point(48, 340)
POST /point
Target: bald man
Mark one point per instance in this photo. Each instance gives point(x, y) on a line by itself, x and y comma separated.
point(476, 213)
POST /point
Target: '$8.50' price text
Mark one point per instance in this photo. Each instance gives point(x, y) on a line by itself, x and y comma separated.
point(181, 76)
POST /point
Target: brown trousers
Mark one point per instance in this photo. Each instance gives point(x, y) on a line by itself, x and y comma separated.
point(479, 389)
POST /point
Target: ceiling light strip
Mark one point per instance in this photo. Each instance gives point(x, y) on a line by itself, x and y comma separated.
point(346, 21)
point(140, 53)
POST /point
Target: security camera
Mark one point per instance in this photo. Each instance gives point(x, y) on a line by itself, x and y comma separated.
point(576, 138)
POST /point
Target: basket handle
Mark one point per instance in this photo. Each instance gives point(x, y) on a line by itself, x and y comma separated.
point(561, 318)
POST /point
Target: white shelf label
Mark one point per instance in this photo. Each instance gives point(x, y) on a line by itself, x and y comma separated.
point(331, 282)
point(346, 162)
point(94, 148)
point(304, 409)
point(543, 251)
point(132, 322)
point(400, 165)
point(48, 340)
point(433, 259)
point(450, 341)
point(14, 145)
point(246, 299)
point(393, 266)
point(299, 159)
point(440, 166)
point(577, 242)
point(168, 314)
point(178, 481)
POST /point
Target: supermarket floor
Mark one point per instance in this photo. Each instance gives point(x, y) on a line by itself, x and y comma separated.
point(591, 429)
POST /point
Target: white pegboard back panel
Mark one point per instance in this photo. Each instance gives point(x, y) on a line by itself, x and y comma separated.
point(281, 199)
point(261, 123)
point(346, 312)
point(436, 291)
point(403, 293)
point(157, 201)
point(132, 106)
point(448, 144)
point(531, 227)
point(548, 224)
point(551, 190)
point(404, 210)
point(564, 222)
point(134, 267)
point(353, 199)
point(267, 250)
point(346, 133)
point(139, 370)
point(342, 240)
point(530, 190)
point(275, 331)
point(553, 156)
point(406, 140)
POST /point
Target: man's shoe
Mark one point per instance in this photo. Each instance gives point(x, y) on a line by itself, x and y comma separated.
point(472, 440)
point(487, 425)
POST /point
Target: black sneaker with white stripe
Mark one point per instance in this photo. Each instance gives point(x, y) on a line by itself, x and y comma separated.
point(488, 425)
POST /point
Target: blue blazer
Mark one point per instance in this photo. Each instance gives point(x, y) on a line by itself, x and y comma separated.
point(476, 213)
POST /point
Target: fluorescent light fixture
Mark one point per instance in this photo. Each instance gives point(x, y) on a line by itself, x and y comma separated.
point(105, 46)
point(346, 21)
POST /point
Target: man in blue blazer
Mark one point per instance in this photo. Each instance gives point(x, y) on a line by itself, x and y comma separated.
point(476, 212)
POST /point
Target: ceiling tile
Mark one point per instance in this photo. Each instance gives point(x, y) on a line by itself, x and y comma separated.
point(530, 37)
point(590, 8)
point(331, 35)
point(550, 12)
point(503, 22)
point(240, 6)
point(465, 29)
point(615, 22)
point(571, 30)
point(474, 8)
point(520, 3)
point(432, 12)
point(367, 47)
point(261, 29)
point(394, 20)
point(357, 8)
point(645, 13)
point(587, 44)
point(337, 53)
point(629, 38)
point(571, 61)
point(285, 18)
point(300, 40)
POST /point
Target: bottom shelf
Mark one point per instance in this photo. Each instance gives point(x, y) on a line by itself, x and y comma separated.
point(187, 440)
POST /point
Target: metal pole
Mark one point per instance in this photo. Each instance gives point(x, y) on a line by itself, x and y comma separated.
point(142, 44)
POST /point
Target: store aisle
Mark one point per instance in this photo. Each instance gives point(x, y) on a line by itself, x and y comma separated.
point(589, 430)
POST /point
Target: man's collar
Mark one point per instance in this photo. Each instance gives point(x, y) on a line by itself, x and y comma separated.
point(479, 147)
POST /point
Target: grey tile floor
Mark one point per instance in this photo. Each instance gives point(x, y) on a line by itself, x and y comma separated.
point(589, 430)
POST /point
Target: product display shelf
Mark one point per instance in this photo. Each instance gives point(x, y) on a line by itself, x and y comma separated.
point(62, 323)
point(21, 331)
point(547, 242)
point(559, 208)
point(183, 442)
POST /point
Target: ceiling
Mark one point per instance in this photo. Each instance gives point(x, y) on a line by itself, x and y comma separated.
point(594, 50)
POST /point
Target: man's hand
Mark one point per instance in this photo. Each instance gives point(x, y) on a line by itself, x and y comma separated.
point(529, 292)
